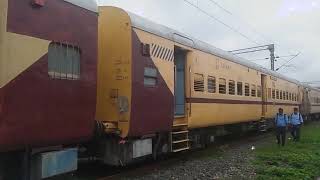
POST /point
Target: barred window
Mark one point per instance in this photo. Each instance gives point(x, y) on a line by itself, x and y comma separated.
point(287, 95)
point(239, 88)
point(232, 88)
point(150, 76)
point(273, 94)
point(277, 94)
point(259, 91)
point(211, 84)
point(253, 90)
point(290, 96)
point(63, 61)
point(280, 94)
point(198, 84)
point(222, 86)
point(247, 89)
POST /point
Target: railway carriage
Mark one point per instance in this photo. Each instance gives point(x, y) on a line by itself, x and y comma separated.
point(48, 55)
point(121, 87)
point(313, 103)
point(168, 92)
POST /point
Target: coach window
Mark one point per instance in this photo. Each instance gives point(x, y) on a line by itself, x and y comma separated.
point(284, 95)
point(269, 93)
point(239, 88)
point(150, 76)
point(247, 89)
point(280, 94)
point(277, 94)
point(198, 84)
point(290, 97)
point(232, 87)
point(63, 61)
point(253, 90)
point(222, 86)
point(211, 84)
point(287, 95)
point(273, 94)
point(259, 93)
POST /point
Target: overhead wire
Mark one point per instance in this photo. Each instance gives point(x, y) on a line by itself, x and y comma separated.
point(267, 39)
point(236, 30)
point(221, 22)
point(284, 64)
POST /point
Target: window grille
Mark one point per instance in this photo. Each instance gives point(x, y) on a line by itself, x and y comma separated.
point(64, 61)
point(232, 87)
point(198, 84)
point(247, 89)
point(273, 94)
point(211, 84)
point(253, 90)
point(150, 76)
point(222, 86)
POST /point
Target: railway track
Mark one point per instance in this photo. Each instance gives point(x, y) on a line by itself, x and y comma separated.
point(101, 172)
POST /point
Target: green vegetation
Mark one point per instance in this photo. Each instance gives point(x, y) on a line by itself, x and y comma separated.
point(297, 160)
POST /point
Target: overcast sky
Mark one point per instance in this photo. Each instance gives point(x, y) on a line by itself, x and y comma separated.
point(293, 25)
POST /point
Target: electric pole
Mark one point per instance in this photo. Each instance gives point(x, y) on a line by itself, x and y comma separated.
point(272, 57)
point(269, 47)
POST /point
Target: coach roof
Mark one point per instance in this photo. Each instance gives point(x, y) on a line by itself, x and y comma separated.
point(168, 33)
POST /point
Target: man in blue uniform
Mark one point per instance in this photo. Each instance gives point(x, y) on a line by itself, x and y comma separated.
point(281, 121)
point(296, 121)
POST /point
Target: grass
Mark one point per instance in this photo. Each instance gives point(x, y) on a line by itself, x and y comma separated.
point(299, 160)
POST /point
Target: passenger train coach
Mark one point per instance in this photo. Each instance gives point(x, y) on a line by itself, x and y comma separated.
point(78, 80)
point(168, 92)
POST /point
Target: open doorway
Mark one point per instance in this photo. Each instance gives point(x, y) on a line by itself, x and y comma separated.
point(179, 63)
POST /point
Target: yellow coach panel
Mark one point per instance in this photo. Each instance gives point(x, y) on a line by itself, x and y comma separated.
point(165, 67)
point(17, 52)
point(217, 108)
point(114, 68)
point(274, 103)
point(3, 26)
point(314, 96)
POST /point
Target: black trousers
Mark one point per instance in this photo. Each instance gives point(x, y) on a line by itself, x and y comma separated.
point(281, 135)
point(295, 132)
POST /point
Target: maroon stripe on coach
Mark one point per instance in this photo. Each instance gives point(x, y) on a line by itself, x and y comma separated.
point(229, 101)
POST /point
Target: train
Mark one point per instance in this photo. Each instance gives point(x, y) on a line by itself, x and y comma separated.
point(78, 80)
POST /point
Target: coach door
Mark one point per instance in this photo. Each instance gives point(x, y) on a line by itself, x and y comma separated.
point(179, 63)
point(264, 95)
